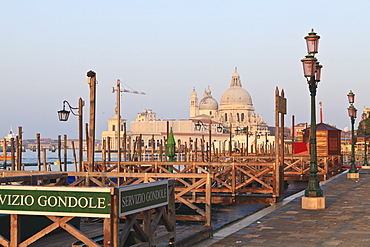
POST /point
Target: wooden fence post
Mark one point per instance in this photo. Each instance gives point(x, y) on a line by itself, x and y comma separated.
point(208, 200)
point(114, 219)
point(65, 153)
point(38, 152)
point(12, 153)
point(4, 153)
point(19, 161)
point(171, 210)
point(15, 236)
point(44, 159)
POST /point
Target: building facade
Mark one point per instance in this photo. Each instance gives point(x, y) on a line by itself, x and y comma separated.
point(208, 120)
point(235, 108)
point(110, 136)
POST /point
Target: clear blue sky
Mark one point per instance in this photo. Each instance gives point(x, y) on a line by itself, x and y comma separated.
point(165, 48)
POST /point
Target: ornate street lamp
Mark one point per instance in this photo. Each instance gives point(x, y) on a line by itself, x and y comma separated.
point(364, 117)
point(63, 116)
point(312, 72)
point(198, 125)
point(219, 128)
point(312, 41)
point(351, 97)
point(352, 112)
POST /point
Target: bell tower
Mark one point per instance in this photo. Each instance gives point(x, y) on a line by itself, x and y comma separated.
point(194, 105)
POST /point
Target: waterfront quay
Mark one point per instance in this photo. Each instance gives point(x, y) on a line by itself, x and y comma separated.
point(343, 222)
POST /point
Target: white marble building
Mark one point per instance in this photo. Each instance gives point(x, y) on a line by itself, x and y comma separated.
point(235, 110)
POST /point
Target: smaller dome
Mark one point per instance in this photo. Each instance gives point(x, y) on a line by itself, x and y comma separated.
point(208, 103)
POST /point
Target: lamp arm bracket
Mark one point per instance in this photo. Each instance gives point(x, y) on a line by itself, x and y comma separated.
point(70, 107)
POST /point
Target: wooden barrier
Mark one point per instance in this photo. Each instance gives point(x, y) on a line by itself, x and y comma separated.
point(186, 184)
point(296, 167)
point(234, 176)
point(230, 179)
point(198, 185)
point(161, 201)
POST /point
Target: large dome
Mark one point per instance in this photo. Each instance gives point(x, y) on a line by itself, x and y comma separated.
point(236, 95)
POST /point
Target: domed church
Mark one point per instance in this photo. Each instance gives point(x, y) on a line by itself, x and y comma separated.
point(235, 107)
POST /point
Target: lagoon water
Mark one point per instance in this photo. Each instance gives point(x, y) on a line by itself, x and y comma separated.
point(29, 159)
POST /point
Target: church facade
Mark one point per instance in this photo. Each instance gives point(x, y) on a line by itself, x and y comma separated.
point(234, 113)
point(235, 108)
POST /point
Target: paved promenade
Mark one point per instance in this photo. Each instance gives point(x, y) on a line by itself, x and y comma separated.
point(344, 222)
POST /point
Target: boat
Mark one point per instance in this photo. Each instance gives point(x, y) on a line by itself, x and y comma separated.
point(7, 138)
point(7, 157)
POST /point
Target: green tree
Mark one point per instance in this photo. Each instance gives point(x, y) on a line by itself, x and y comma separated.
point(360, 130)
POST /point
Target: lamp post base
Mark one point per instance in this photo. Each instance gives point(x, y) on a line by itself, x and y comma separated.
point(353, 175)
point(313, 203)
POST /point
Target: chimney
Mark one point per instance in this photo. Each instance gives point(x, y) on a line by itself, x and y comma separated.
point(320, 103)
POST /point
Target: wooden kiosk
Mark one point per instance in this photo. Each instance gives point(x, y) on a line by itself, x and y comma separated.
point(327, 139)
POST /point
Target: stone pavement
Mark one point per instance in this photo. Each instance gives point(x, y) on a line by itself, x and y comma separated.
point(344, 222)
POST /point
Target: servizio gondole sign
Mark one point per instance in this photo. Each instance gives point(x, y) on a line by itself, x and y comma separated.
point(140, 197)
point(81, 201)
point(60, 201)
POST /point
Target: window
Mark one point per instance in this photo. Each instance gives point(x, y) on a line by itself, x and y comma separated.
point(225, 117)
point(113, 128)
point(242, 117)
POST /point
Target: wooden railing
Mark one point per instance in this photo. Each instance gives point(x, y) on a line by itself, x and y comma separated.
point(197, 185)
point(296, 167)
point(113, 234)
point(228, 178)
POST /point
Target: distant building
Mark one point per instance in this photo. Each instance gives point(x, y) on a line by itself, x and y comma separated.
point(298, 130)
point(112, 132)
point(46, 143)
point(236, 110)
